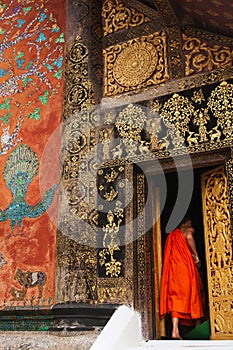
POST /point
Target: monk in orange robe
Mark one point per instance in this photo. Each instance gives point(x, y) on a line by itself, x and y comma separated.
point(181, 284)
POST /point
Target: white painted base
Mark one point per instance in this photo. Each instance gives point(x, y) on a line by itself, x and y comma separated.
point(123, 332)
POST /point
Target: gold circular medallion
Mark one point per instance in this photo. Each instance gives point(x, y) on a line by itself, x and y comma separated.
point(135, 64)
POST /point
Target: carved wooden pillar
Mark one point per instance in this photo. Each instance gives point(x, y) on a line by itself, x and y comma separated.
point(76, 251)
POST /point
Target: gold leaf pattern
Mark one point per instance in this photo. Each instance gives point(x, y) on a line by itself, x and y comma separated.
point(117, 16)
point(200, 56)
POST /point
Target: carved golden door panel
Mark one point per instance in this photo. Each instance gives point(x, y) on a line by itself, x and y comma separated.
point(218, 243)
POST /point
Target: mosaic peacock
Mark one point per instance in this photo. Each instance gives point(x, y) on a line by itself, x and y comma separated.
point(20, 169)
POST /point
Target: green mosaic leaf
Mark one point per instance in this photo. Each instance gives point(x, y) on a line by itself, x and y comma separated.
point(58, 74)
point(26, 81)
point(5, 105)
point(35, 115)
point(61, 39)
point(6, 118)
point(44, 98)
point(27, 9)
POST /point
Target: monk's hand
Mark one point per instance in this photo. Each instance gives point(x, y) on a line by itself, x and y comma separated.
point(196, 259)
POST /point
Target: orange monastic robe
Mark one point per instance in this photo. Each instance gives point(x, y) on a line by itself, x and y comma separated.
point(180, 285)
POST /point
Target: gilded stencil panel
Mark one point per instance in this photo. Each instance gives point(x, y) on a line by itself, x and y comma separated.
point(114, 242)
point(218, 238)
point(193, 121)
point(136, 64)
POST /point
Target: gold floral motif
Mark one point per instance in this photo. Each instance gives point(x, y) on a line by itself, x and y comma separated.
point(175, 48)
point(200, 56)
point(78, 90)
point(111, 177)
point(198, 96)
point(110, 116)
point(130, 122)
point(220, 103)
point(136, 64)
point(111, 195)
point(113, 294)
point(195, 122)
point(113, 267)
point(177, 112)
point(117, 16)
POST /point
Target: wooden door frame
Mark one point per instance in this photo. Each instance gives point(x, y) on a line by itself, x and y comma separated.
point(148, 308)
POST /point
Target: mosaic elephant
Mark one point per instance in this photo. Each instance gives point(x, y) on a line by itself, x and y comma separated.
point(28, 279)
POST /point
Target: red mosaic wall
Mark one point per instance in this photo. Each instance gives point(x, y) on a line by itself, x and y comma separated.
point(31, 84)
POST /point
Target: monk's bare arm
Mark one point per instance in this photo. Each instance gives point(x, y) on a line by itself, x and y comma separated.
point(192, 245)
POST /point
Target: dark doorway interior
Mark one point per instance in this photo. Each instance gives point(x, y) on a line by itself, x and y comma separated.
point(194, 210)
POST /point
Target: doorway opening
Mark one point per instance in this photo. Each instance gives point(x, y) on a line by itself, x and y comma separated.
point(194, 210)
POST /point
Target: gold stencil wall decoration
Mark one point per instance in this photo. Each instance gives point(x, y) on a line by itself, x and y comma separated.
point(218, 242)
point(198, 120)
point(130, 123)
point(203, 57)
point(176, 114)
point(136, 64)
point(115, 255)
point(221, 105)
point(111, 242)
point(117, 16)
